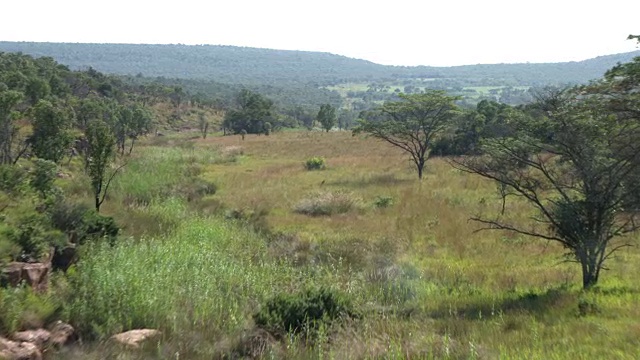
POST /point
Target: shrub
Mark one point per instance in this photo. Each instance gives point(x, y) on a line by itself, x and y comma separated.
point(32, 234)
point(383, 201)
point(42, 176)
point(315, 163)
point(303, 312)
point(326, 204)
point(84, 222)
point(11, 178)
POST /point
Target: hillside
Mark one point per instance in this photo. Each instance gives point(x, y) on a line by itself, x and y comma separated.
point(252, 66)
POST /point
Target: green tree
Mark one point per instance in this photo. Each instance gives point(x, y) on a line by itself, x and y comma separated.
point(51, 139)
point(100, 155)
point(573, 167)
point(43, 176)
point(140, 124)
point(11, 148)
point(411, 124)
point(251, 112)
point(327, 116)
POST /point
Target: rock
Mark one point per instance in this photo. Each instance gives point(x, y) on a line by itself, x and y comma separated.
point(134, 338)
point(12, 350)
point(39, 337)
point(61, 334)
point(34, 274)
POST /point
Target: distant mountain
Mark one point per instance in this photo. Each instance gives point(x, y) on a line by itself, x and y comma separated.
point(252, 66)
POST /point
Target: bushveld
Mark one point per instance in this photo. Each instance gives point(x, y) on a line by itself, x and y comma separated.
point(212, 230)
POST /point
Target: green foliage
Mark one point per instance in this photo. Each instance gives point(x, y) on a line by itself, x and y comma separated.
point(315, 163)
point(575, 167)
point(251, 112)
point(303, 312)
point(43, 176)
point(31, 232)
point(12, 178)
point(383, 201)
point(100, 154)
point(327, 116)
point(267, 128)
point(51, 139)
point(23, 309)
point(94, 226)
point(412, 124)
point(9, 99)
point(219, 269)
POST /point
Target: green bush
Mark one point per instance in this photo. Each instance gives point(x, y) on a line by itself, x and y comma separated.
point(85, 223)
point(303, 312)
point(383, 201)
point(33, 236)
point(12, 178)
point(315, 163)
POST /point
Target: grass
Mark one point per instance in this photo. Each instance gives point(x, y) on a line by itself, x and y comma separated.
point(426, 283)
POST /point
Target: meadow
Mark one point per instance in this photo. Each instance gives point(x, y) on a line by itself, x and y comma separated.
point(213, 228)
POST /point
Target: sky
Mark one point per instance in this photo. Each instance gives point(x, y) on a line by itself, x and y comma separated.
point(397, 32)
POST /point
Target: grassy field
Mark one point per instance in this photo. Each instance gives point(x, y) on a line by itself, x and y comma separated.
point(425, 283)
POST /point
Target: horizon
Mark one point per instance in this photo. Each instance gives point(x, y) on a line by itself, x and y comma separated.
point(311, 51)
point(409, 33)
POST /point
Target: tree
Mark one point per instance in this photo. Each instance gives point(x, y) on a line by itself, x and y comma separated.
point(139, 125)
point(573, 167)
point(11, 147)
point(204, 125)
point(251, 112)
point(50, 139)
point(101, 152)
point(411, 124)
point(267, 128)
point(327, 116)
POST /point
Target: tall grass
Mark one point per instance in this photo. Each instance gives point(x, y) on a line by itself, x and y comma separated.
point(208, 275)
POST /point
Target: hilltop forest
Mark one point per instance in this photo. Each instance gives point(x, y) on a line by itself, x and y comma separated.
point(206, 202)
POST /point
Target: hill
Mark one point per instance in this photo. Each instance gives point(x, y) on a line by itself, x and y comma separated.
point(253, 66)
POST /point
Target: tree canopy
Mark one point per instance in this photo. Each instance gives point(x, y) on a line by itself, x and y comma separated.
point(411, 124)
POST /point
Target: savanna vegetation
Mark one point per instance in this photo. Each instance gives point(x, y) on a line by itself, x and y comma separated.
point(432, 230)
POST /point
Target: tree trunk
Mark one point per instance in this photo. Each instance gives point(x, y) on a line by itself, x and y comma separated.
point(98, 203)
point(590, 272)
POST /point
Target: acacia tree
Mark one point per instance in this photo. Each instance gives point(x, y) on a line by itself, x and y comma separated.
point(573, 167)
point(327, 116)
point(411, 124)
point(100, 154)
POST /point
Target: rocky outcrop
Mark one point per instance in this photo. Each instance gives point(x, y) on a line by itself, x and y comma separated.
point(135, 338)
point(14, 350)
point(39, 337)
point(34, 274)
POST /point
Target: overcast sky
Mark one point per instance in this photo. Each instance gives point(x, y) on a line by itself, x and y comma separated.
point(395, 32)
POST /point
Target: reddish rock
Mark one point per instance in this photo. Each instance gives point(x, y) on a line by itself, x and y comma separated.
point(39, 337)
point(135, 338)
point(12, 350)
